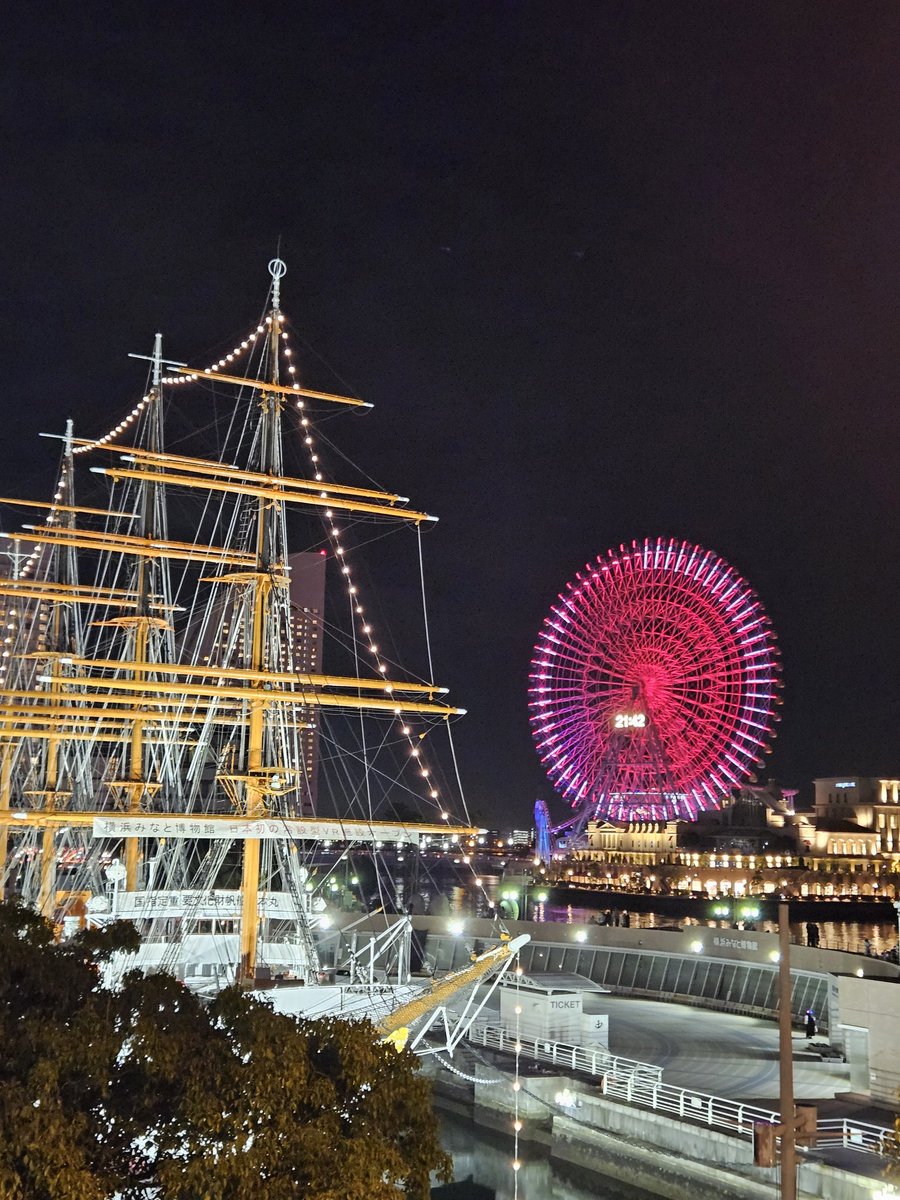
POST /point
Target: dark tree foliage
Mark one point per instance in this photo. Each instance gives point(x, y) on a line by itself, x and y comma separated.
point(145, 1091)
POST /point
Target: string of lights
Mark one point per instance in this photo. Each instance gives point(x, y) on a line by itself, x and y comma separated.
point(517, 1086)
point(365, 630)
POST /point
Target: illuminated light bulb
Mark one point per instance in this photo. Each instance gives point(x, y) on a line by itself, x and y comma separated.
point(352, 591)
point(445, 816)
point(405, 730)
point(415, 752)
point(517, 1125)
point(517, 1086)
point(434, 795)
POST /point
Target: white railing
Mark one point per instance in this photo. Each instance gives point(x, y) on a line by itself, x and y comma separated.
point(641, 1084)
point(854, 1135)
point(728, 1115)
point(595, 1061)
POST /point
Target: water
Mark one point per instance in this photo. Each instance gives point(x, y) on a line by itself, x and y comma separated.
point(833, 935)
point(848, 935)
point(487, 1157)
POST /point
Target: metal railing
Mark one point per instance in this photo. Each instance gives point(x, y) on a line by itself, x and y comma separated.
point(596, 1061)
point(854, 1135)
point(713, 1111)
point(640, 1084)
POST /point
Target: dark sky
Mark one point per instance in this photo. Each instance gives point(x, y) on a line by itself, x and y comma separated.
point(607, 271)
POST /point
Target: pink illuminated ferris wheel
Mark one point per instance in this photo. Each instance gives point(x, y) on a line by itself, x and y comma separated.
point(654, 684)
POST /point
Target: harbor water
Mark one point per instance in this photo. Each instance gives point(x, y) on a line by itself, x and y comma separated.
point(486, 1158)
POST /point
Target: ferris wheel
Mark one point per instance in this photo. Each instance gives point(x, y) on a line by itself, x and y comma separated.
point(654, 684)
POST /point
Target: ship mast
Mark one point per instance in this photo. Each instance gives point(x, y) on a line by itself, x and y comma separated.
point(133, 790)
point(269, 574)
point(130, 704)
point(59, 644)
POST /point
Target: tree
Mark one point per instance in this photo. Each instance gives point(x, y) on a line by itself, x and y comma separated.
point(890, 1151)
point(145, 1088)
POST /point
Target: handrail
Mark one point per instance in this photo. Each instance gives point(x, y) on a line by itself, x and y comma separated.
point(855, 1135)
point(640, 1084)
point(595, 1061)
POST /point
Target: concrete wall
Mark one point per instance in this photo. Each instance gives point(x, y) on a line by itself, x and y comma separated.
point(667, 1157)
point(873, 1007)
point(740, 972)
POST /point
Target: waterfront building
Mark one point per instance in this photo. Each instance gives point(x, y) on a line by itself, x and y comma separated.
point(759, 843)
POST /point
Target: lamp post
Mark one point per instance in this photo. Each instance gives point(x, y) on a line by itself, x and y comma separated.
point(786, 1059)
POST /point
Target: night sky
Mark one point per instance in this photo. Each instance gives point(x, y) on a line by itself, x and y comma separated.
point(606, 270)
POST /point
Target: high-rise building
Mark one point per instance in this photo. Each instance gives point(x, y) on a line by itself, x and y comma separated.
point(307, 597)
point(220, 637)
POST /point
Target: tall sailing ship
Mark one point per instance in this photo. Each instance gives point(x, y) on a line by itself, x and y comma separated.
point(164, 715)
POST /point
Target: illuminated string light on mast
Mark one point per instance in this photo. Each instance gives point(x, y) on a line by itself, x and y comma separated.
point(364, 629)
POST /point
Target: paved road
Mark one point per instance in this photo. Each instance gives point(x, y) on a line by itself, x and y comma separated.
point(723, 1054)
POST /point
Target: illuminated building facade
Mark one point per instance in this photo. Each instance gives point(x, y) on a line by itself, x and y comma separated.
point(849, 845)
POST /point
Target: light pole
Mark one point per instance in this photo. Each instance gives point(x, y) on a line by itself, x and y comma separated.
point(786, 1060)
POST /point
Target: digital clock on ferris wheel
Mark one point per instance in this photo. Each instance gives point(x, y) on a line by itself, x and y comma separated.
point(637, 720)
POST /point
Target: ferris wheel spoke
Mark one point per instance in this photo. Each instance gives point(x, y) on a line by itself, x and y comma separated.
point(666, 639)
